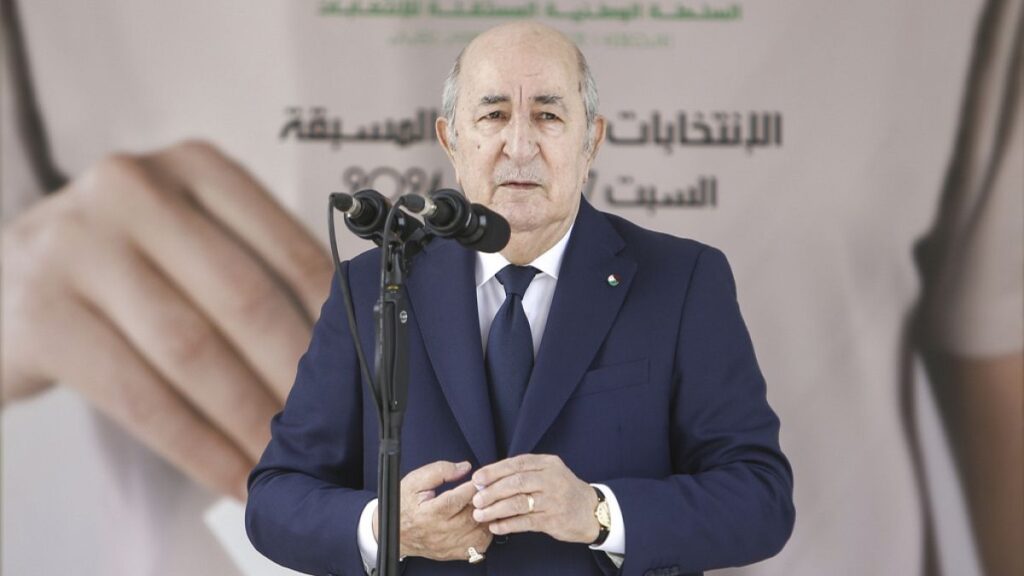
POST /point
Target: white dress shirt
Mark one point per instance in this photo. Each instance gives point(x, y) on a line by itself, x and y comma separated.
point(490, 295)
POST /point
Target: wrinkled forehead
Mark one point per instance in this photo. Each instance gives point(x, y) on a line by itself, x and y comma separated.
point(520, 69)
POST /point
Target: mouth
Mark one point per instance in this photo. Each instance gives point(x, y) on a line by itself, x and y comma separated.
point(519, 184)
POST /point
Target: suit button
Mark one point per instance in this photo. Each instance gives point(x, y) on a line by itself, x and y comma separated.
point(502, 539)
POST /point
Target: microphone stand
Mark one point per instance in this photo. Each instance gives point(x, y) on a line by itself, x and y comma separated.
point(391, 313)
point(391, 386)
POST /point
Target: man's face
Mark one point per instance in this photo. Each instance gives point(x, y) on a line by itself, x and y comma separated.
point(520, 129)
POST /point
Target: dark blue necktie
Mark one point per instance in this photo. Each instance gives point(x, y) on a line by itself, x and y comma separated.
point(509, 355)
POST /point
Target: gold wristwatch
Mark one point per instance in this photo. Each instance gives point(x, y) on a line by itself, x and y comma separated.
point(604, 518)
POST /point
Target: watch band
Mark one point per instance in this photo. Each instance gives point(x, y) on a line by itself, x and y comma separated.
point(602, 533)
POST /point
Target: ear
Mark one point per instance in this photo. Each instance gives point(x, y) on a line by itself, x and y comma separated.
point(599, 130)
point(441, 130)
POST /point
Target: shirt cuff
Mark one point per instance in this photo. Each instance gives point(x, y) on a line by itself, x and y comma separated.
point(364, 535)
point(615, 543)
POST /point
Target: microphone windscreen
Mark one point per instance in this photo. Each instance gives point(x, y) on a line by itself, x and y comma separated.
point(496, 231)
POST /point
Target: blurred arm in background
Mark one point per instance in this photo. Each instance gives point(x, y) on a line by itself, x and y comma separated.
point(971, 325)
point(981, 401)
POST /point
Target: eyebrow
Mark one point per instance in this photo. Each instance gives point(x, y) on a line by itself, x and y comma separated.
point(549, 99)
point(544, 99)
point(494, 99)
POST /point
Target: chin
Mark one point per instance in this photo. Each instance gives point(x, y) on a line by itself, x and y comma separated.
point(522, 216)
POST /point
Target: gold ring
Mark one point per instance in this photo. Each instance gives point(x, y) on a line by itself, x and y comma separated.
point(529, 503)
point(474, 556)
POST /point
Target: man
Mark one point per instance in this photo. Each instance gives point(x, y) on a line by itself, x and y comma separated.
point(644, 380)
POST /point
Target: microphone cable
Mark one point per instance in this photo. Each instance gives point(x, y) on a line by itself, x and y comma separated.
point(347, 295)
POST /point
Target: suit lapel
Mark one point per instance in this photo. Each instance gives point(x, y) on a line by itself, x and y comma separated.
point(582, 311)
point(442, 292)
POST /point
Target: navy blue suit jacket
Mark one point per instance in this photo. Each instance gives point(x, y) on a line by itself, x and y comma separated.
point(650, 387)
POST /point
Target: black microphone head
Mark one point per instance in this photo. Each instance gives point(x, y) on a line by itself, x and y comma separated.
point(451, 215)
point(491, 233)
point(369, 219)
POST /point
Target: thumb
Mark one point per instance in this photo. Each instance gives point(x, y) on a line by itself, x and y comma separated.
point(430, 476)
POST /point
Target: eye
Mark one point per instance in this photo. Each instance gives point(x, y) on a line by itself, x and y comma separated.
point(547, 116)
point(495, 115)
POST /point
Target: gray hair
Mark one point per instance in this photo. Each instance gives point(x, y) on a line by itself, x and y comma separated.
point(450, 95)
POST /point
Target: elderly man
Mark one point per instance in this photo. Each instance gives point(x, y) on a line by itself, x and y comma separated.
point(586, 402)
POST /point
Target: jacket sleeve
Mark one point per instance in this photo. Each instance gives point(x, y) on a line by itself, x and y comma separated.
point(306, 493)
point(729, 502)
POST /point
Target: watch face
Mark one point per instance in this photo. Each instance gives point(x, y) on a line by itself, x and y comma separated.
point(604, 517)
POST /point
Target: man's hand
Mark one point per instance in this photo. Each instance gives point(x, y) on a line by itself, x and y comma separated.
point(438, 527)
point(563, 504)
point(174, 294)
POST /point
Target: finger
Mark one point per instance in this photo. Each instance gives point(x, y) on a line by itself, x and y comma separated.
point(122, 386)
point(24, 297)
point(522, 463)
point(515, 524)
point(237, 199)
point(511, 485)
point(223, 277)
point(516, 505)
point(179, 342)
point(430, 476)
point(451, 503)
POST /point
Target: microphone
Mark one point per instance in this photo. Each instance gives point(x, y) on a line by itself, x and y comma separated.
point(366, 212)
point(448, 214)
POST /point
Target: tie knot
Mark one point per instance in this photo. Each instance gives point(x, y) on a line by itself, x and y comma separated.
point(516, 279)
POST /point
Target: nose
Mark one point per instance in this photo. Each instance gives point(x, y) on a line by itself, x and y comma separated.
point(520, 139)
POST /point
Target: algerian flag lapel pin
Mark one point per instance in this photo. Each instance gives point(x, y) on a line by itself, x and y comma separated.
point(613, 280)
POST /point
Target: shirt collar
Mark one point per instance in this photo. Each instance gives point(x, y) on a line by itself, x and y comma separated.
point(487, 265)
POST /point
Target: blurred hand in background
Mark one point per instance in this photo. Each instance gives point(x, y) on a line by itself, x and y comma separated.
point(173, 293)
